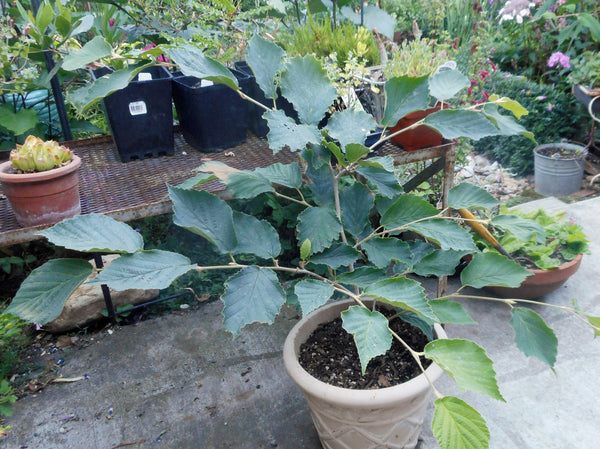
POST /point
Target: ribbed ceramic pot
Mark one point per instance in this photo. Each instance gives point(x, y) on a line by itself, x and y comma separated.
point(389, 418)
point(45, 197)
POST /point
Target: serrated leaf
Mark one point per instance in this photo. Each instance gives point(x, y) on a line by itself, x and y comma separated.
point(467, 363)
point(403, 96)
point(251, 295)
point(453, 124)
point(246, 184)
point(450, 312)
point(284, 132)
point(195, 180)
point(439, 263)
point(506, 124)
point(447, 234)
point(493, 269)
point(355, 151)
point(470, 196)
point(206, 215)
point(384, 181)
point(404, 293)
point(304, 74)
point(338, 255)
point(407, 209)
point(265, 59)
point(193, 62)
point(144, 270)
point(18, 122)
point(458, 425)
point(447, 83)
point(305, 249)
point(84, 24)
point(93, 50)
point(522, 228)
point(321, 185)
point(356, 203)
point(532, 336)
point(288, 175)
point(382, 251)
point(94, 233)
point(320, 226)
point(312, 294)
point(510, 105)
point(337, 152)
point(350, 126)
point(43, 294)
point(362, 277)
point(420, 322)
point(255, 236)
point(371, 333)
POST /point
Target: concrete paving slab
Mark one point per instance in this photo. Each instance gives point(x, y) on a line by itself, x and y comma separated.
point(181, 381)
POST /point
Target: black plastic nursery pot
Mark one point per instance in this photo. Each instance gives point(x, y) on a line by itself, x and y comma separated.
point(140, 116)
point(213, 117)
point(249, 86)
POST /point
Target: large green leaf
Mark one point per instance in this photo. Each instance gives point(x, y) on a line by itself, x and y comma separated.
point(447, 83)
point(407, 209)
point(404, 293)
point(362, 277)
point(264, 57)
point(470, 196)
point(246, 184)
point(371, 333)
point(450, 312)
point(338, 255)
point(93, 50)
point(522, 228)
point(458, 425)
point(506, 124)
point(382, 251)
point(439, 263)
point(18, 122)
point(591, 22)
point(305, 84)
point(493, 269)
point(350, 126)
point(356, 203)
point(403, 96)
point(255, 236)
point(320, 226)
point(467, 363)
point(384, 181)
point(193, 62)
point(284, 132)
point(372, 18)
point(144, 269)
point(312, 294)
point(453, 124)
point(447, 234)
point(355, 151)
point(204, 214)
point(43, 294)
point(532, 336)
point(95, 233)
point(252, 295)
point(288, 175)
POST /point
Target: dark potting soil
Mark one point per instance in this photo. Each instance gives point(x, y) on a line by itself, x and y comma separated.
point(559, 152)
point(330, 355)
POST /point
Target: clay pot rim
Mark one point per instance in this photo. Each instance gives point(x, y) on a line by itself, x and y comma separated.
point(38, 176)
point(350, 397)
point(564, 266)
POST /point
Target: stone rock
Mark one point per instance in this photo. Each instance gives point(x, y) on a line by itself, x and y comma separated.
point(86, 303)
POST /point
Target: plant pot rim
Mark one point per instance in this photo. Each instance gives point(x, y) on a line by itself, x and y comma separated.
point(37, 176)
point(566, 145)
point(565, 266)
point(345, 396)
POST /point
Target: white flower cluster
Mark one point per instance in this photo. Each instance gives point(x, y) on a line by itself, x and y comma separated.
point(515, 9)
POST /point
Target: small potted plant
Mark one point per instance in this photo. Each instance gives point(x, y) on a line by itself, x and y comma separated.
point(585, 77)
point(41, 182)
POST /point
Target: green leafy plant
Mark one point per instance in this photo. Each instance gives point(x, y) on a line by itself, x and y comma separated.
point(7, 399)
point(351, 208)
point(586, 69)
point(35, 155)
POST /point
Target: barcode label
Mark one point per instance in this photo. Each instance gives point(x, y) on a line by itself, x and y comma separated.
point(137, 108)
point(144, 76)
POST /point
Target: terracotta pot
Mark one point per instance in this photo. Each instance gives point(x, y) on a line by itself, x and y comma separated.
point(45, 197)
point(419, 137)
point(357, 419)
point(541, 282)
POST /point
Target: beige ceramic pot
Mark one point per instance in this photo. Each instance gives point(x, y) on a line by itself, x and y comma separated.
point(389, 418)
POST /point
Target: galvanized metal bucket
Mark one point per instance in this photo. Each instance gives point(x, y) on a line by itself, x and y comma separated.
point(559, 175)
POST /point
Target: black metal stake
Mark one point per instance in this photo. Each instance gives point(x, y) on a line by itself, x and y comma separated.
point(110, 308)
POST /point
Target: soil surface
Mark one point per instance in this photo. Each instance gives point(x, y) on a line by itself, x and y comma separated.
point(330, 355)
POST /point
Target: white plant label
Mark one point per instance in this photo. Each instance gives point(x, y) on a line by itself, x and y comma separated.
point(137, 108)
point(144, 76)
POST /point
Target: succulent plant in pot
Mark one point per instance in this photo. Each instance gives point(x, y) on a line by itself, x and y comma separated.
point(345, 246)
point(41, 182)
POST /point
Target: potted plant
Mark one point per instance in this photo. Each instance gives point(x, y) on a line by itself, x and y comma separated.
point(350, 208)
point(548, 246)
point(41, 182)
point(585, 77)
point(558, 168)
point(418, 58)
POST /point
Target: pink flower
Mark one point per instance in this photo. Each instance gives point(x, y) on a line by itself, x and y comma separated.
point(486, 96)
point(111, 23)
point(470, 91)
point(149, 46)
point(483, 74)
point(559, 58)
point(549, 107)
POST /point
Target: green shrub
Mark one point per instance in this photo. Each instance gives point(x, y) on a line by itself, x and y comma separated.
point(553, 115)
point(12, 340)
